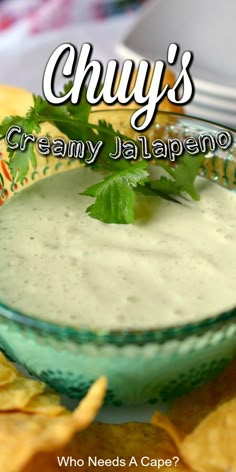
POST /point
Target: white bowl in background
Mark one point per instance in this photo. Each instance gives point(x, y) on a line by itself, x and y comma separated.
point(205, 27)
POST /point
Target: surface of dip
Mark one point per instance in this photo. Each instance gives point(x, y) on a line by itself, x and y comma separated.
point(177, 263)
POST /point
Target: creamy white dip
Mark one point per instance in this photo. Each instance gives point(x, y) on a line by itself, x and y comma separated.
point(176, 264)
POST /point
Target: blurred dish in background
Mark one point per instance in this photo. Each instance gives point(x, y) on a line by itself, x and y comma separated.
point(42, 15)
point(24, 59)
point(206, 28)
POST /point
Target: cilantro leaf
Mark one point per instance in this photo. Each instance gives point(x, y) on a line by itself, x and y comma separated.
point(115, 196)
point(28, 123)
point(7, 122)
point(183, 177)
point(82, 109)
point(108, 135)
point(19, 164)
point(59, 117)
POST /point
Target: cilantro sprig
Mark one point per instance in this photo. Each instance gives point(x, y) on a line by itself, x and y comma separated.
point(115, 197)
point(115, 194)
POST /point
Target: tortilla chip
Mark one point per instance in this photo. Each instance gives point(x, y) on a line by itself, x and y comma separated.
point(188, 410)
point(123, 446)
point(17, 101)
point(7, 375)
point(14, 101)
point(18, 394)
point(91, 404)
point(23, 435)
point(202, 424)
point(4, 361)
point(163, 422)
point(25, 394)
point(45, 404)
point(211, 446)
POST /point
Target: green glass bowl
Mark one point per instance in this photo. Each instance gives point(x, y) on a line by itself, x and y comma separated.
point(141, 366)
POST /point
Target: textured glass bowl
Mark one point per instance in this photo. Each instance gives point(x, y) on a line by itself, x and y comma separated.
point(141, 366)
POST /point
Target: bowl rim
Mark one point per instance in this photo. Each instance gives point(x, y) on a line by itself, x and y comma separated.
point(128, 335)
point(169, 113)
point(117, 337)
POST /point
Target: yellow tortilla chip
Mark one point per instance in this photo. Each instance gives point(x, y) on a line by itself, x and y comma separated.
point(202, 424)
point(128, 446)
point(23, 435)
point(18, 394)
point(7, 375)
point(45, 404)
point(4, 361)
point(17, 101)
point(211, 446)
point(163, 422)
point(14, 101)
point(188, 410)
point(91, 404)
point(25, 394)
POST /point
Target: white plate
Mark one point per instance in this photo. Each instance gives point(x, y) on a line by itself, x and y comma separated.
point(214, 115)
point(224, 92)
point(205, 27)
point(213, 101)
